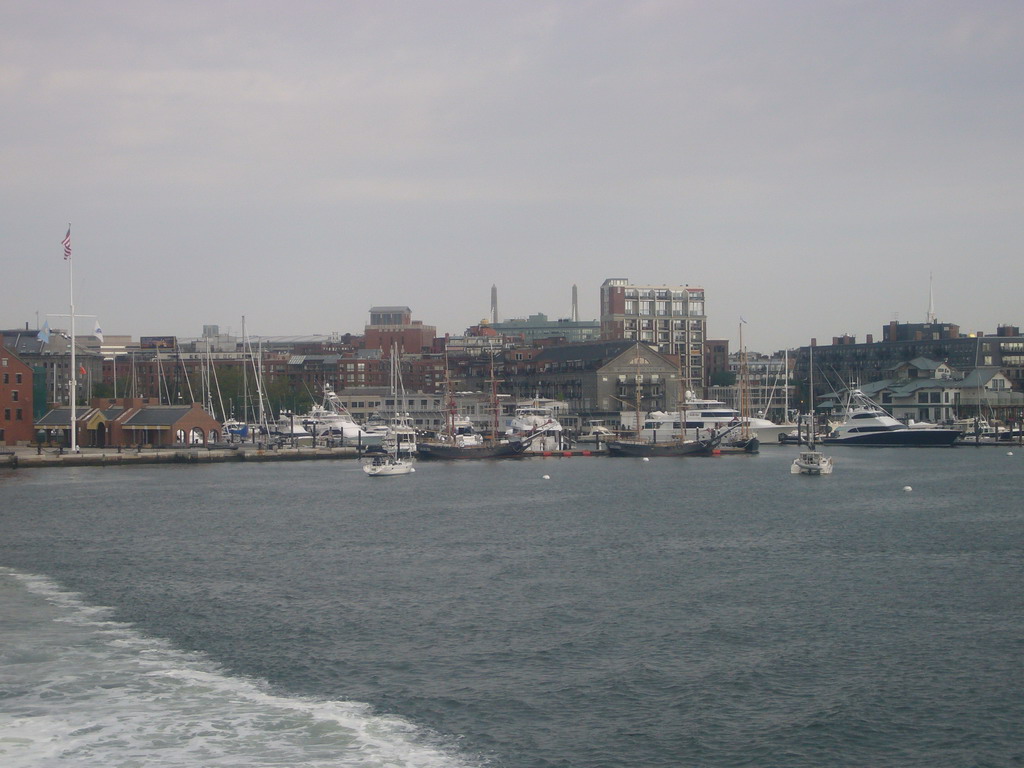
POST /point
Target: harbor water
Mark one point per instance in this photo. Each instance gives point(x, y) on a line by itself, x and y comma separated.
point(581, 612)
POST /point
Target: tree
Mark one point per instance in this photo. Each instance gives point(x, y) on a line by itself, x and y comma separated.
point(723, 379)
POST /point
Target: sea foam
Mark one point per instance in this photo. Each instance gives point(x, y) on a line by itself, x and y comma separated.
point(82, 689)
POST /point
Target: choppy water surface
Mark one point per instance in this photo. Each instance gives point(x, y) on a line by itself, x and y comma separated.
point(694, 612)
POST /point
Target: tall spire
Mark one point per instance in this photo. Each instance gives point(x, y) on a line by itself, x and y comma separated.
point(494, 304)
point(575, 305)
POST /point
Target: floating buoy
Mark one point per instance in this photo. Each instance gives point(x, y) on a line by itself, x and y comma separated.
point(546, 477)
point(646, 459)
point(1009, 453)
point(412, 469)
point(907, 488)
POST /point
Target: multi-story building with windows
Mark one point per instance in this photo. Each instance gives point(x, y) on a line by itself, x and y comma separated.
point(15, 399)
point(671, 319)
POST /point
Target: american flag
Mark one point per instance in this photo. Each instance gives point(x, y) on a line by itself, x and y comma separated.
point(67, 244)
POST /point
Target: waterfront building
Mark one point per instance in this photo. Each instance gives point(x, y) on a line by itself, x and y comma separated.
point(128, 422)
point(16, 399)
point(392, 326)
point(598, 379)
point(669, 319)
point(846, 362)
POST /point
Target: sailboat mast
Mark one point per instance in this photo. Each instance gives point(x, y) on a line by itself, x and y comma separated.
point(810, 362)
point(73, 394)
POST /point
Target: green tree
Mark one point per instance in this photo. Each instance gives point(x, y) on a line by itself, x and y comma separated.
point(723, 379)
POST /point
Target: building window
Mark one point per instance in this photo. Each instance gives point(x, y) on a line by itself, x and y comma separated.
point(17, 415)
point(17, 378)
point(7, 378)
point(14, 395)
point(7, 414)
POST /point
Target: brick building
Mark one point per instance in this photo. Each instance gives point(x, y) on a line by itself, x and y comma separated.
point(15, 400)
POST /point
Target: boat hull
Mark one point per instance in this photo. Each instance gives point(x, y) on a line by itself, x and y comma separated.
point(641, 449)
point(812, 463)
point(898, 437)
point(446, 451)
point(390, 468)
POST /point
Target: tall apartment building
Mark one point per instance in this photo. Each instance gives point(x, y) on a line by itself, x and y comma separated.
point(670, 319)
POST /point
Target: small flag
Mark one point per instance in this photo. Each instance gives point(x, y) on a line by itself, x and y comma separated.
point(742, 320)
point(44, 333)
point(67, 244)
point(98, 332)
point(81, 369)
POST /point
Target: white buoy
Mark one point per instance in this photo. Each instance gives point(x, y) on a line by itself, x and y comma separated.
point(1009, 453)
point(547, 477)
point(412, 469)
point(907, 488)
point(646, 459)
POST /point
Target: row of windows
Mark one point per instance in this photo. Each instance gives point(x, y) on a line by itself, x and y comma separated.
point(17, 414)
point(7, 378)
point(664, 308)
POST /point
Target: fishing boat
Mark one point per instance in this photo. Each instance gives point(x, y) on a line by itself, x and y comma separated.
point(865, 422)
point(595, 432)
point(535, 419)
point(330, 419)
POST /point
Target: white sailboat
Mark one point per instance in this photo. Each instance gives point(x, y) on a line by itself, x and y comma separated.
point(396, 459)
point(811, 461)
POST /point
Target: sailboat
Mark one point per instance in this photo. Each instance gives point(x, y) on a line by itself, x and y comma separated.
point(742, 440)
point(811, 461)
point(398, 438)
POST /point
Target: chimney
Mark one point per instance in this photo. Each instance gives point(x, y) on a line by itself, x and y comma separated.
point(575, 305)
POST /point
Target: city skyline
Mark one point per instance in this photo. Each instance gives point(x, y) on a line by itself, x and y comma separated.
point(815, 167)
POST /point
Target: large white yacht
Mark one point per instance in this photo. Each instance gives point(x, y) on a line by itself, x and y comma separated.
point(867, 423)
point(703, 416)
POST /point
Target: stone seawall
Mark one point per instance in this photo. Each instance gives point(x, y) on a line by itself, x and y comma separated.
point(29, 457)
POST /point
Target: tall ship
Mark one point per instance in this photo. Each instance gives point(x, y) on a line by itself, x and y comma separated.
point(460, 441)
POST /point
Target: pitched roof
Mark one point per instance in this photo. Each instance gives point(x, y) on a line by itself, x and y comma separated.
point(158, 416)
point(599, 352)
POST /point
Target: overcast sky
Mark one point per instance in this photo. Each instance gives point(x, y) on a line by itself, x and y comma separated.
point(809, 164)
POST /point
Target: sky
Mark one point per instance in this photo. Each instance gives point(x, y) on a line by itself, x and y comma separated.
point(820, 167)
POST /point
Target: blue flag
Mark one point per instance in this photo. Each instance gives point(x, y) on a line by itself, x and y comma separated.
point(44, 333)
